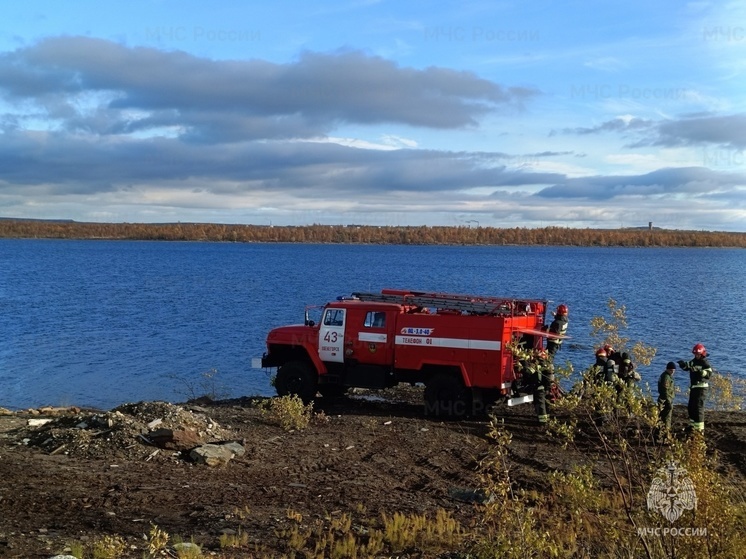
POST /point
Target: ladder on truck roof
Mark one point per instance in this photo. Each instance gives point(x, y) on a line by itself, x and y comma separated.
point(453, 302)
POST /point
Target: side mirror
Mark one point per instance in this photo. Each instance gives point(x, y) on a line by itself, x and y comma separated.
point(310, 323)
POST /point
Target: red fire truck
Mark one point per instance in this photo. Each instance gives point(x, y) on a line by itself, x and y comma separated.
point(456, 345)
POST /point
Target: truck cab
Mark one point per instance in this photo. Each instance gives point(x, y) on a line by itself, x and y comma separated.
point(352, 345)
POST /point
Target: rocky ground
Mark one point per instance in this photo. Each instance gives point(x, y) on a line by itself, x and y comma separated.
point(70, 475)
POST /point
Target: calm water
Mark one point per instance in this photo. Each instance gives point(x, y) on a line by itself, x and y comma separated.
point(99, 323)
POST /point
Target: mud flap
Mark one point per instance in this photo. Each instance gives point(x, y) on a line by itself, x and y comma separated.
point(521, 400)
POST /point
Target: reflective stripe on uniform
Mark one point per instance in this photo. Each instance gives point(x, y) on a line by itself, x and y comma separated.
point(700, 385)
point(545, 418)
point(697, 425)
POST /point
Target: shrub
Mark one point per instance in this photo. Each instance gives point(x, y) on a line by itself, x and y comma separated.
point(726, 392)
point(157, 540)
point(230, 540)
point(108, 547)
point(287, 411)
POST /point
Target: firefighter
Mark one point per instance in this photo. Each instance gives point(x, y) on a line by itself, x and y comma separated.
point(605, 369)
point(613, 354)
point(535, 375)
point(598, 366)
point(558, 326)
point(699, 372)
point(545, 379)
point(666, 391)
point(627, 371)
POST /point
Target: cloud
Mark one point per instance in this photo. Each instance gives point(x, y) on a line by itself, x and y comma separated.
point(663, 182)
point(101, 87)
point(618, 124)
point(142, 120)
point(606, 64)
point(82, 164)
point(727, 131)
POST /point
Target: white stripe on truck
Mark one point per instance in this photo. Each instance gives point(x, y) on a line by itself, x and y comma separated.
point(457, 343)
point(371, 337)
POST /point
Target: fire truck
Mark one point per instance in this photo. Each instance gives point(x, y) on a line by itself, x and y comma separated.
point(457, 346)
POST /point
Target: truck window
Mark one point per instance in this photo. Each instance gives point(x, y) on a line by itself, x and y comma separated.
point(334, 317)
point(375, 320)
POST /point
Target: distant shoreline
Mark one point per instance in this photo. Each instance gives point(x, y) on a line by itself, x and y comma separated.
point(371, 235)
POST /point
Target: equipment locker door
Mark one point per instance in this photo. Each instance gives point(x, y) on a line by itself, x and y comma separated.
point(369, 335)
point(331, 335)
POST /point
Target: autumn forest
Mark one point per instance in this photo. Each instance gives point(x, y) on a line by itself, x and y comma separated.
point(364, 234)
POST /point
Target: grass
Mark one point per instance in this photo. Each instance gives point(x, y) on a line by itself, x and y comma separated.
point(597, 509)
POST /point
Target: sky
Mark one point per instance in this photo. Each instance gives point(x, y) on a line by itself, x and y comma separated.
point(471, 113)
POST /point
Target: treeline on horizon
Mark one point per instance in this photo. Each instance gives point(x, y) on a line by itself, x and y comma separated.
point(367, 234)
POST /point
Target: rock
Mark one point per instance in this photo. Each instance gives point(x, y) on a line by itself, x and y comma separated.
point(51, 410)
point(38, 422)
point(236, 448)
point(213, 455)
point(199, 409)
point(4, 411)
point(175, 439)
point(478, 496)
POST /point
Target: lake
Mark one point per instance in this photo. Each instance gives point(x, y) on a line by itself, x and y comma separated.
point(101, 323)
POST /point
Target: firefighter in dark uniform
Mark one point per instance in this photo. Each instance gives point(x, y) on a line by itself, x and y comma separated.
point(613, 354)
point(545, 378)
point(666, 392)
point(598, 366)
point(627, 371)
point(559, 327)
point(605, 372)
point(605, 369)
point(536, 377)
point(699, 373)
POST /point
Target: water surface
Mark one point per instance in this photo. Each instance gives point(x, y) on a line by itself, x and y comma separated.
point(100, 323)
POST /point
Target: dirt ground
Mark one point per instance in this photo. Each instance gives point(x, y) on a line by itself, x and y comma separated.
point(89, 473)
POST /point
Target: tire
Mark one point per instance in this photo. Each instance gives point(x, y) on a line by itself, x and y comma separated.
point(296, 378)
point(447, 397)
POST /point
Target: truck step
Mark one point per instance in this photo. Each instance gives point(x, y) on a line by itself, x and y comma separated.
point(521, 400)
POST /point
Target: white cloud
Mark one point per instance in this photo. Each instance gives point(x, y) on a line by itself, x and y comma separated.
point(606, 64)
point(351, 142)
point(398, 141)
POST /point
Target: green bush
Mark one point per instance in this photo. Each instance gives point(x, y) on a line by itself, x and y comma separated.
point(287, 411)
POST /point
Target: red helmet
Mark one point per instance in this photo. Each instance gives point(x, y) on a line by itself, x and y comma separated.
point(699, 349)
point(609, 349)
point(562, 309)
point(543, 354)
point(601, 352)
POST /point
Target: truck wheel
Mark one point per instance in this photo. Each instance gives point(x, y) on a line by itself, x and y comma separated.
point(446, 396)
point(296, 378)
